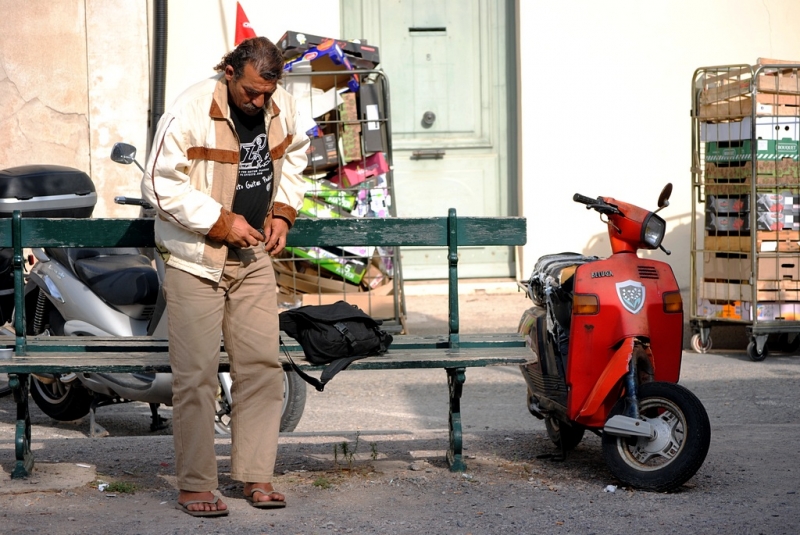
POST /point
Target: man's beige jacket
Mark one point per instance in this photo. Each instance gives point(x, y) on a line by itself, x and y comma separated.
point(193, 168)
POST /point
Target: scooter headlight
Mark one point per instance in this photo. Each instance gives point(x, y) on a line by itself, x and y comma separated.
point(653, 231)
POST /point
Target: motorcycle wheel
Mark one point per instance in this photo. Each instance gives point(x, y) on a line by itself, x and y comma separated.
point(60, 400)
point(564, 436)
point(683, 435)
point(294, 403)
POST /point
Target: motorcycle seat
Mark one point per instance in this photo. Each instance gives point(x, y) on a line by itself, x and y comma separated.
point(119, 276)
point(553, 274)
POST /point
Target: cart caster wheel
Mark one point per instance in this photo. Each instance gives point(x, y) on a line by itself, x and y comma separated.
point(697, 344)
point(786, 346)
point(753, 353)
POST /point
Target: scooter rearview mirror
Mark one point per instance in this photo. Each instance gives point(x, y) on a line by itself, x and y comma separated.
point(663, 199)
point(125, 153)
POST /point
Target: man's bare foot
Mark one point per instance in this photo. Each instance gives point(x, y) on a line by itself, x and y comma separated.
point(263, 495)
point(205, 501)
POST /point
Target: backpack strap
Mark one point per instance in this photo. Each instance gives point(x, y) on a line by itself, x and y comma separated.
point(330, 370)
point(313, 381)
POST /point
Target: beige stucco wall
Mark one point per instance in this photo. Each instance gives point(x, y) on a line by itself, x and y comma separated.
point(73, 80)
point(605, 103)
point(74, 75)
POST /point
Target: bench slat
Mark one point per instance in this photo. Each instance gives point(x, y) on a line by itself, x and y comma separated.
point(472, 231)
point(116, 362)
point(65, 344)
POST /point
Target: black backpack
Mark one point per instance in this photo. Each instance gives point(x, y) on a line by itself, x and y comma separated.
point(335, 335)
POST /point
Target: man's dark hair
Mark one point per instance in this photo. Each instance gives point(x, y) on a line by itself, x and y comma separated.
point(262, 53)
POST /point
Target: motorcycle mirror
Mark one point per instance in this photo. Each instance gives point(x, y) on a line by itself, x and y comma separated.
point(125, 153)
point(663, 199)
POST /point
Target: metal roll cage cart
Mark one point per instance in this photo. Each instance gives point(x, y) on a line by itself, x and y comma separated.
point(349, 175)
point(745, 259)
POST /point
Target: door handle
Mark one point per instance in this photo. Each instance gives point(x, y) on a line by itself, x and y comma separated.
point(427, 154)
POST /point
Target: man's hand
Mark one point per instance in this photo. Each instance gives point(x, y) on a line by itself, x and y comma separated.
point(276, 236)
point(242, 234)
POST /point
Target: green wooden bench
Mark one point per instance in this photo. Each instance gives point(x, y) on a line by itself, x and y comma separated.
point(451, 351)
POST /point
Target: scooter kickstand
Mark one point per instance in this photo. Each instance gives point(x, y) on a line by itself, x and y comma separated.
point(95, 429)
point(158, 422)
point(556, 457)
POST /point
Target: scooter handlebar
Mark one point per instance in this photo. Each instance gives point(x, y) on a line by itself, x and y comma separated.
point(596, 204)
point(583, 199)
point(132, 200)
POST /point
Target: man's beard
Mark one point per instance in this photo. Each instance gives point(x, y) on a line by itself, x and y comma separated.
point(250, 109)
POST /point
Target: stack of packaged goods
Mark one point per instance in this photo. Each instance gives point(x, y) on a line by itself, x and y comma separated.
point(347, 173)
point(750, 160)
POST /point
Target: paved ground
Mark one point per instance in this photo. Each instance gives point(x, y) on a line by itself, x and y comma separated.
point(397, 481)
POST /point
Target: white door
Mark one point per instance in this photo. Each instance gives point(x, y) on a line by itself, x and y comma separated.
point(447, 67)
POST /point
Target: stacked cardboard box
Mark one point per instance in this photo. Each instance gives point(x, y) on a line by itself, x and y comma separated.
point(749, 160)
point(348, 173)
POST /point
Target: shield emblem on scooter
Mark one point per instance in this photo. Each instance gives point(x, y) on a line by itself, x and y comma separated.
point(631, 295)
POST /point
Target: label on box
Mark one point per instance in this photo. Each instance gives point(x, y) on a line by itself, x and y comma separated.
point(355, 173)
point(727, 204)
point(370, 102)
point(778, 311)
point(293, 43)
point(317, 208)
point(728, 310)
point(727, 222)
point(351, 128)
point(766, 149)
point(766, 128)
point(322, 154)
point(349, 269)
point(327, 57)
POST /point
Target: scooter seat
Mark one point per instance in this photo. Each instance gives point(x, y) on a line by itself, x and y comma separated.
point(120, 280)
point(554, 272)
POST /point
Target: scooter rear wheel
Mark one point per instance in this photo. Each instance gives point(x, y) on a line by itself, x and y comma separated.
point(294, 403)
point(62, 401)
point(675, 454)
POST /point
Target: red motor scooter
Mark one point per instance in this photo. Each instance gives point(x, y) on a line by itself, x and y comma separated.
point(607, 341)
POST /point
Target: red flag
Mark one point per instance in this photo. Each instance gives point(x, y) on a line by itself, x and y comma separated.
point(243, 28)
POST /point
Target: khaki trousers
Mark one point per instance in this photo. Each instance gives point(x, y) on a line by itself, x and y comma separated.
point(242, 306)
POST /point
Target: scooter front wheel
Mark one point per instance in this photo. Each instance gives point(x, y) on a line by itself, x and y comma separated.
point(682, 435)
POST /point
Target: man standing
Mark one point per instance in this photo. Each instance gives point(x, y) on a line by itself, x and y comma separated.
point(224, 176)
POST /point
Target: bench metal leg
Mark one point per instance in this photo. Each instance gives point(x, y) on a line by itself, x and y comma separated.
point(455, 380)
point(22, 441)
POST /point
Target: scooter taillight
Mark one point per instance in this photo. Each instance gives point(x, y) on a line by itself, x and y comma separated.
point(673, 302)
point(585, 304)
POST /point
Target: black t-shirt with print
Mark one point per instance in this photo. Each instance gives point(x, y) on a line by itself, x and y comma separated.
point(254, 188)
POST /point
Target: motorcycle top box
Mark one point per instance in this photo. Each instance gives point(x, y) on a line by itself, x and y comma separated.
point(46, 191)
point(40, 191)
